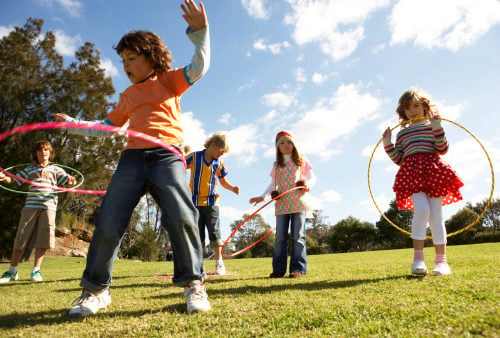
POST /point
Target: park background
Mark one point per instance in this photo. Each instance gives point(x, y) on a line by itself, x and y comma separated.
point(329, 71)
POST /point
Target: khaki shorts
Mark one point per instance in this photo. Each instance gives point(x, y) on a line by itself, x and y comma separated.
point(36, 229)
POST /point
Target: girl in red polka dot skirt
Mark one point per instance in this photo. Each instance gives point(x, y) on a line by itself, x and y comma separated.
point(424, 182)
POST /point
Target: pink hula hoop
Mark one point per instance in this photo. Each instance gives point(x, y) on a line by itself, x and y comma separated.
point(74, 125)
point(246, 219)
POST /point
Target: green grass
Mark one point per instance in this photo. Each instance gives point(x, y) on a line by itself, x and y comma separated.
point(354, 294)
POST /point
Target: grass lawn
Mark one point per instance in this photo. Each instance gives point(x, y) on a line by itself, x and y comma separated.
point(353, 294)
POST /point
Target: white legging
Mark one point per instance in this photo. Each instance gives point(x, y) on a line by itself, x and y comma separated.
point(428, 210)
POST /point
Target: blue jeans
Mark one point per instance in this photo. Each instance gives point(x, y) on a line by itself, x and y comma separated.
point(298, 259)
point(162, 174)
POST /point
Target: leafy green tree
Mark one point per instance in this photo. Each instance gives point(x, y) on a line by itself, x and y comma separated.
point(491, 219)
point(457, 222)
point(389, 237)
point(319, 229)
point(351, 234)
point(145, 245)
point(35, 84)
point(251, 231)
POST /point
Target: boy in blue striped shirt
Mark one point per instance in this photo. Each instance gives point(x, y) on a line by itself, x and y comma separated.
point(37, 223)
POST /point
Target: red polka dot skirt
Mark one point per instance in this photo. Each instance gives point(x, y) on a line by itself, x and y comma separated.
point(428, 173)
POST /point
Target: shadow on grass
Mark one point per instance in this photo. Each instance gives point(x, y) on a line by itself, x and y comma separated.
point(54, 317)
point(19, 319)
point(22, 319)
point(303, 284)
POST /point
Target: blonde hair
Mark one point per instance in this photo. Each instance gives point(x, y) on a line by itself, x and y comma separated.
point(414, 95)
point(219, 139)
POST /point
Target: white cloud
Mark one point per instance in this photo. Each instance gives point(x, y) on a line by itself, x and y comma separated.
point(109, 68)
point(378, 48)
point(383, 203)
point(5, 30)
point(268, 117)
point(256, 8)
point(194, 134)
point(279, 100)
point(300, 74)
point(65, 44)
point(467, 158)
point(335, 118)
point(449, 24)
point(247, 85)
point(273, 48)
point(225, 119)
point(243, 143)
point(318, 78)
point(337, 25)
point(72, 7)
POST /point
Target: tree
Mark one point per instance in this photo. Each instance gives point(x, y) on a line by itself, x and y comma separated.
point(457, 222)
point(351, 234)
point(318, 230)
point(250, 232)
point(491, 219)
point(34, 85)
point(389, 237)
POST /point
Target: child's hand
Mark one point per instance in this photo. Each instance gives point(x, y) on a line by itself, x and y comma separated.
point(305, 188)
point(386, 136)
point(5, 178)
point(236, 190)
point(196, 18)
point(436, 122)
point(60, 117)
point(256, 200)
point(71, 180)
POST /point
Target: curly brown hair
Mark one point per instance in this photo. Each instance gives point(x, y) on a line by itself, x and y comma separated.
point(148, 44)
point(412, 95)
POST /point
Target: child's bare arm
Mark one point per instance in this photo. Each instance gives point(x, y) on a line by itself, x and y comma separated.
point(225, 183)
point(196, 18)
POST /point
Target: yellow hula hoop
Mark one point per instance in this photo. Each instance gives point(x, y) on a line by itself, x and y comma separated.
point(467, 227)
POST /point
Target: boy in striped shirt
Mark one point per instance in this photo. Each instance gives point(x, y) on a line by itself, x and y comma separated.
point(37, 223)
point(206, 167)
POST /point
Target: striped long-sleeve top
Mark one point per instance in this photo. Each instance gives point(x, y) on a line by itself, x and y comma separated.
point(417, 139)
point(39, 197)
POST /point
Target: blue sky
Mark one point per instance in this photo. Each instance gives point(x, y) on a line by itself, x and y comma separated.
point(331, 72)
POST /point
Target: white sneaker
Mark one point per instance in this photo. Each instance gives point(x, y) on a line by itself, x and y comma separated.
point(419, 268)
point(8, 277)
point(441, 269)
point(36, 276)
point(196, 297)
point(90, 302)
point(220, 268)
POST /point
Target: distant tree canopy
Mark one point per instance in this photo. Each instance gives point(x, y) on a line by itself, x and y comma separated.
point(35, 84)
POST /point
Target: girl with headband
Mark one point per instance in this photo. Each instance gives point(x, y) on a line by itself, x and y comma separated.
point(424, 182)
point(289, 170)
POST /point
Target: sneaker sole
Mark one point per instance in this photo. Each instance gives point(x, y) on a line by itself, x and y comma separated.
point(420, 272)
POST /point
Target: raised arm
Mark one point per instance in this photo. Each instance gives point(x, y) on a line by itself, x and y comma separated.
point(196, 18)
point(199, 35)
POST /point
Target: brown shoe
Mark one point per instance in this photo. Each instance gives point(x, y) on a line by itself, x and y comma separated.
point(295, 274)
point(276, 274)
